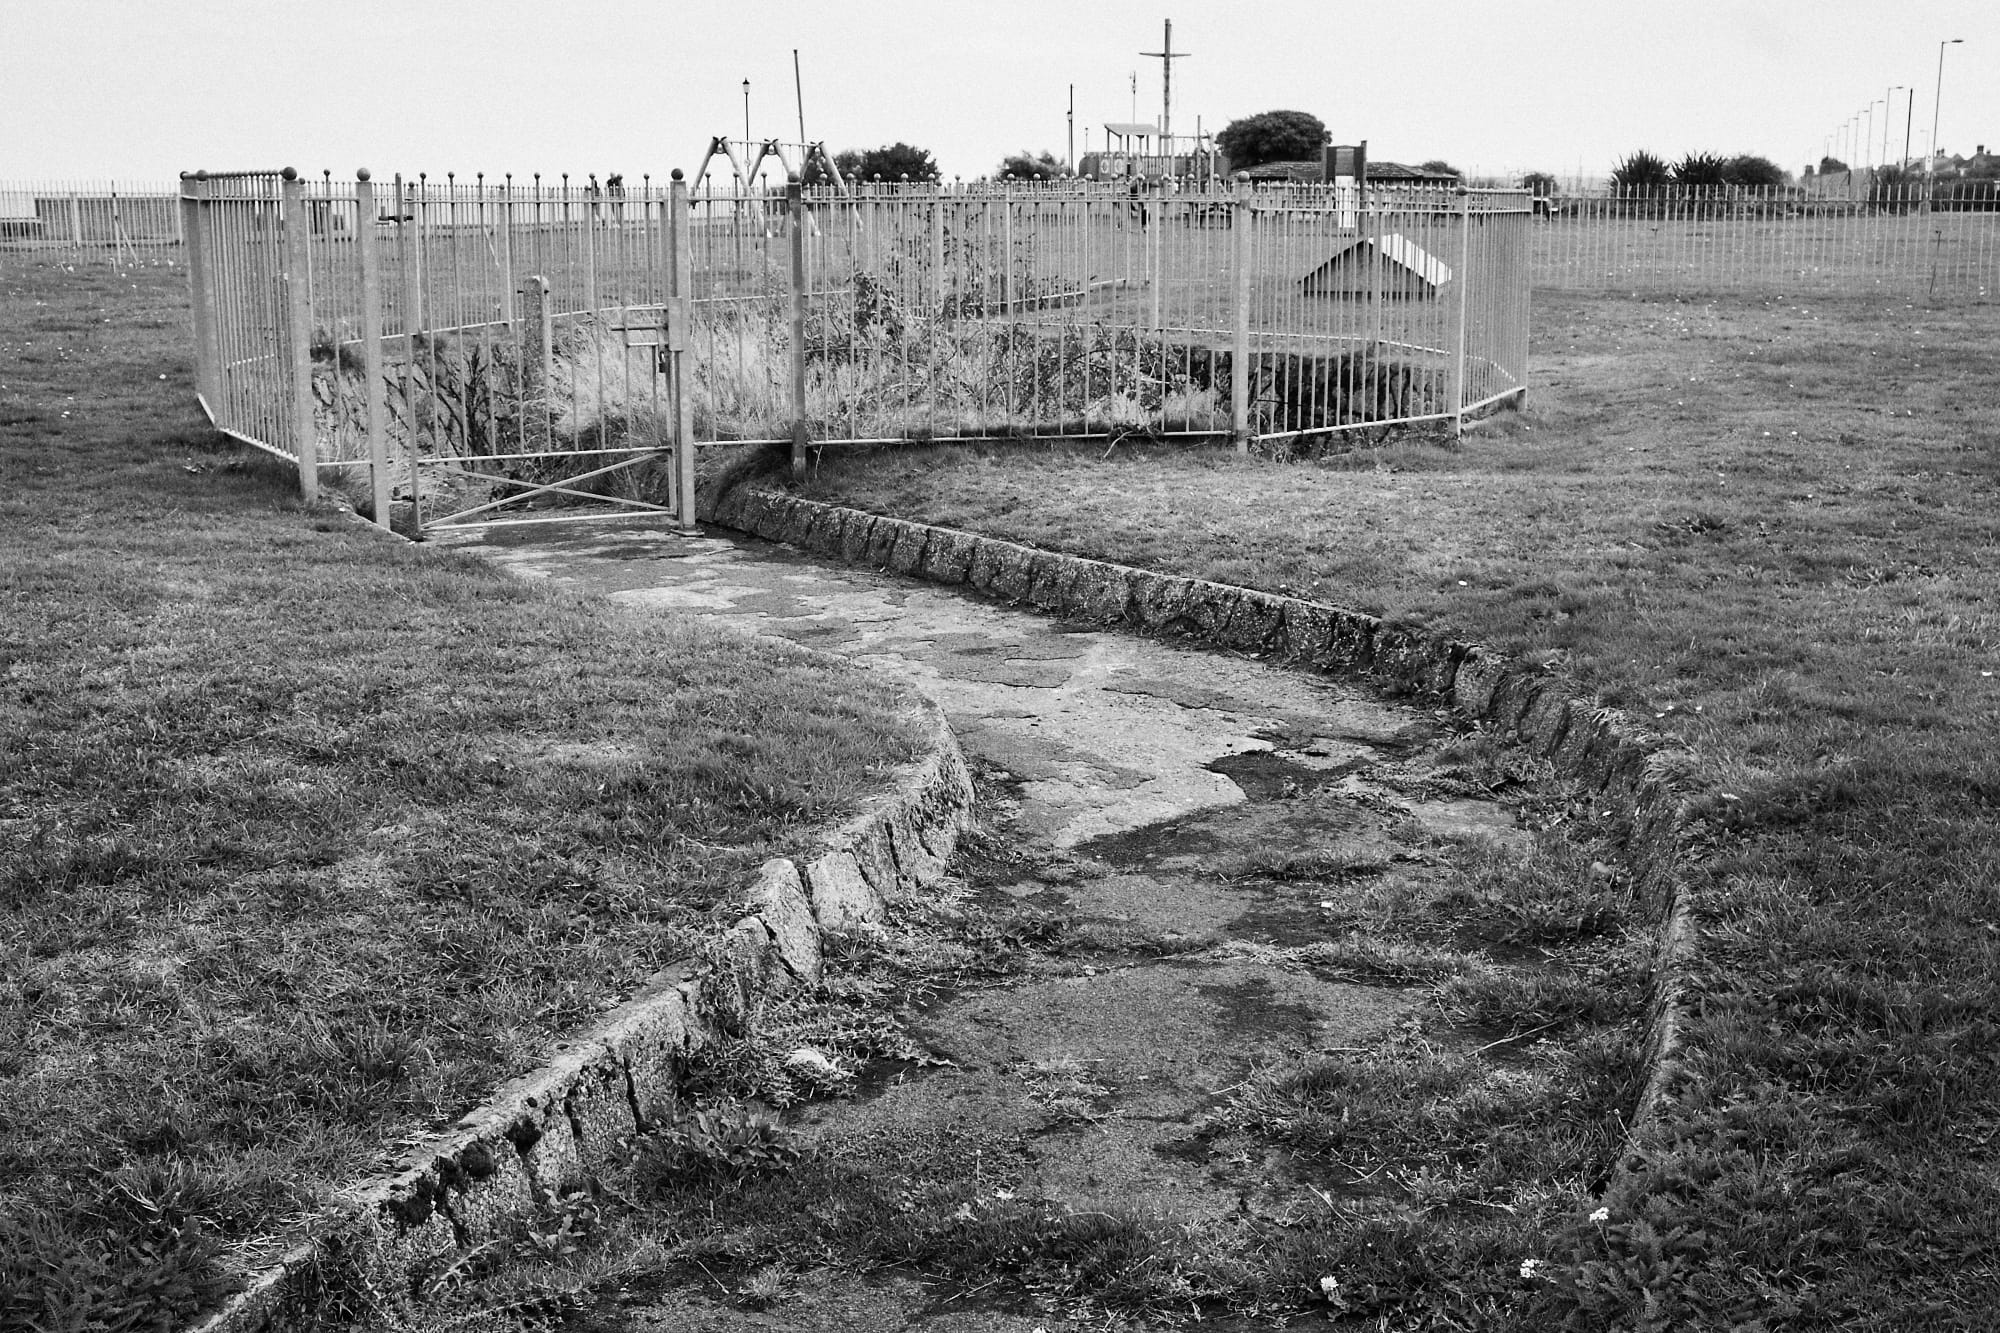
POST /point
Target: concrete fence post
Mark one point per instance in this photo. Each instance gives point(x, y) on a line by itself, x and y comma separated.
point(1458, 376)
point(371, 346)
point(195, 191)
point(796, 205)
point(1239, 361)
point(299, 327)
point(537, 343)
point(680, 335)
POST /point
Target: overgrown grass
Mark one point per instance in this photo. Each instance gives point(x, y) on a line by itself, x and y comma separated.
point(308, 837)
point(1768, 526)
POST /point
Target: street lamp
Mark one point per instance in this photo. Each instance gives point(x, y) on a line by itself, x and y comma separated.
point(1937, 100)
point(746, 115)
point(1888, 113)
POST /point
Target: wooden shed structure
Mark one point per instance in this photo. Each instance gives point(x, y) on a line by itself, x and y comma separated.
point(1393, 264)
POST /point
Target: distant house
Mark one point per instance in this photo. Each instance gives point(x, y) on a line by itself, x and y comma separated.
point(1379, 173)
point(1395, 173)
point(1306, 173)
point(1394, 265)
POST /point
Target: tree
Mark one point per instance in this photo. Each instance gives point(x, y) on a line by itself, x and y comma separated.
point(1641, 173)
point(1539, 182)
point(1701, 170)
point(1829, 165)
point(1026, 166)
point(1758, 173)
point(891, 162)
point(1271, 136)
point(1441, 167)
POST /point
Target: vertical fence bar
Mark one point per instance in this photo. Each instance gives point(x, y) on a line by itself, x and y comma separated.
point(298, 311)
point(1239, 361)
point(371, 346)
point(796, 205)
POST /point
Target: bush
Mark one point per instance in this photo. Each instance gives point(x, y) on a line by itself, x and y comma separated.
point(1442, 167)
point(1539, 182)
point(1701, 171)
point(1641, 173)
point(1754, 172)
point(1026, 166)
point(891, 162)
point(1271, 136)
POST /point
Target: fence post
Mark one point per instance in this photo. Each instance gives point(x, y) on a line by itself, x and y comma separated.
point(1239, 361)
point(371, 345)
point(796, 204)
point(413, 316)
point(680, 332)
point(201, 295)
point(537, 342)
point(505, 212)
point(1458, 378)
point(298, 311)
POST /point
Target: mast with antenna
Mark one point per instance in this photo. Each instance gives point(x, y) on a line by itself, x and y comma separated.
point(1166, 56)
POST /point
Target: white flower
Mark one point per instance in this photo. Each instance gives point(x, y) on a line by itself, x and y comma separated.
point(1329, 1287)
point(1601, 1216)
point(1529, 1267)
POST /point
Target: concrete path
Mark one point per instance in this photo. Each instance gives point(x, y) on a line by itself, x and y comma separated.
point(1149, 797)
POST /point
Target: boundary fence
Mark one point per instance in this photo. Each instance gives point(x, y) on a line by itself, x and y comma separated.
point(462, 354)
point(118, 221)
point(1887, 238)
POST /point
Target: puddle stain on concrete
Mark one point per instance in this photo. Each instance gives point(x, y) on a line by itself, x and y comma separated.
point(1155, 795)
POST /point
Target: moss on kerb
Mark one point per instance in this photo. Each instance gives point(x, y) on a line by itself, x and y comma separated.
point(1597, 747)
point(546, 1132)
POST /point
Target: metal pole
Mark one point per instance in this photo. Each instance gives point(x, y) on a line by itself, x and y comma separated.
point(1937, 101)
point(406, 260)
point(1458, 352)
point(1239, 363)
point(371, 344)
point(1888, 112)
point(680, 277)
point(298, 310)
point(795, 201)
point(1909, 112)
point(799, 90)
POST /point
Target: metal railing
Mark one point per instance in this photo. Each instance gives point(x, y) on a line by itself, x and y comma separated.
point(467, 351)
point(109, 221)
point(1076, 309)
point(1895, 239)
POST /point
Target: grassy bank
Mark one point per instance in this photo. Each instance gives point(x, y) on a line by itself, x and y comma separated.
point(307, 836)
point(1769, 527)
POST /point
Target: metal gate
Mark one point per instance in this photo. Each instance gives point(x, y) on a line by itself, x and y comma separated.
point(408, 345)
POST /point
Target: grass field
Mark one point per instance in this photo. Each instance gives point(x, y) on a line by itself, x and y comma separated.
point(1769, 527)
point(307, 836)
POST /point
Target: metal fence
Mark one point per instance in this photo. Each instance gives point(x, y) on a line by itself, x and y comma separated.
point(1891, 239)
point(109, 221)
point(463, 352)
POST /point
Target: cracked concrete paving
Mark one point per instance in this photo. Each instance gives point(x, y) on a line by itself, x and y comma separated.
point(1135, 788)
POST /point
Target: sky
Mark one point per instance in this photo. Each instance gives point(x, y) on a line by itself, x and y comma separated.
point(141, 90)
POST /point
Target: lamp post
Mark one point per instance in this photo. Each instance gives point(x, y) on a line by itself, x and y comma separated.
point(1937, 100)
point(1888, 112)
point(746, 115)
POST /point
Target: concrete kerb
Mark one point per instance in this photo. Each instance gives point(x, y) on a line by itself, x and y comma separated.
point(545, 1134)
point(1627, 767)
